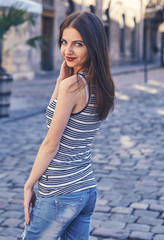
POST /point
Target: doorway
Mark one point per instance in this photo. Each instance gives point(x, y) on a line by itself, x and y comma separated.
point(47, 63)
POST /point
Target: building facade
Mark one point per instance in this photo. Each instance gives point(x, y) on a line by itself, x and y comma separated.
point(131, 27)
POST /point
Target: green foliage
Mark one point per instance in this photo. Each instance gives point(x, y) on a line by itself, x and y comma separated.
point(13, 17)
point(41, 40)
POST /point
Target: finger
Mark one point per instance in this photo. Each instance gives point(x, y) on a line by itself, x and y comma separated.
point(27, 217)
point(64, 63)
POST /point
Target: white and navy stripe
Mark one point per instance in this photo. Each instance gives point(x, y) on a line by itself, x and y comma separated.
point(71, 169)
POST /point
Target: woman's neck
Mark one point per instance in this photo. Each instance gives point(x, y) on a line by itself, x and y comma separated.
point(80, 71)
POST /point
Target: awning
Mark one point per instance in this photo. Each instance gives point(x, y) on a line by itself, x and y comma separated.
point(28, 5)
point(161, 27)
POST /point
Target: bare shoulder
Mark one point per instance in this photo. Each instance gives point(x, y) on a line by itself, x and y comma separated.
point(70, 84)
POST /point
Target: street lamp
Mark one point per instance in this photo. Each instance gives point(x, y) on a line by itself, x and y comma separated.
point(145, 51)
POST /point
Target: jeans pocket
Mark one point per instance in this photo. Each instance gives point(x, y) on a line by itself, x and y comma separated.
point(90, 204)
point(68, 208)
point(34, 211)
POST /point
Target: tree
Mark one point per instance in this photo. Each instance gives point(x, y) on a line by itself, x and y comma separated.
point(12, 17)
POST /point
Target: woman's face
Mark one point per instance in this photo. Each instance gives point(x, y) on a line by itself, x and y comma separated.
point(74, 49)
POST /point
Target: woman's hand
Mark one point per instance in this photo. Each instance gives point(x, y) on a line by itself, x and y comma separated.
point(65, 71)
point(29, 200)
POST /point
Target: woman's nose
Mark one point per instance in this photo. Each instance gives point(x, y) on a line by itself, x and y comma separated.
point(68, 50)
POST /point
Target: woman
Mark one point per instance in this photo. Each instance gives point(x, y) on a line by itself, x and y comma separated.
point(83, 97)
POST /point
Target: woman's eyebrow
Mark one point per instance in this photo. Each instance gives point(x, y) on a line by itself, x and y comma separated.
point(73, 41)
point(78, 41)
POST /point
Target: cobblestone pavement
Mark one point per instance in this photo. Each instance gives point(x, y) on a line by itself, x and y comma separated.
point(128, 158)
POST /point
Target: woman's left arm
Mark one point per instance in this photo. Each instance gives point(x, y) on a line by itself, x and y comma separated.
point(49, 147)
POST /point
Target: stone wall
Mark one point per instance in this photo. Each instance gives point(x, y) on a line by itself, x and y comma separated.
point(59, 17)
point(19, 59)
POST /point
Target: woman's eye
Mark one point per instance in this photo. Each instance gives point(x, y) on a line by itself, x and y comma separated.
point(63, 42)
point(79, 44)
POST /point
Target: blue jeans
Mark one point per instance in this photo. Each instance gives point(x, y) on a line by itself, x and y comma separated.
point(66, 217)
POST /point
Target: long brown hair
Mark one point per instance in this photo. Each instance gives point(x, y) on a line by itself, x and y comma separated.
point(93, 34)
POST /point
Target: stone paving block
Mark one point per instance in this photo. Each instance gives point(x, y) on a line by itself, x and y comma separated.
point(157, 207)
point(141, 235)
point(140, 172)
point(109, 167)
point(146, 213)
point(139, 205)
point(1, 211)
point(145, 190)
point(149, 201)
point(17, 207)
point(3, 205)
point(12, 222)
point(162, 198)
point(100, 215)
point(100, 208)
point(6, 195)
point(9, 238)
point(161, 190)
point(110, 233)
point(123, 210)
point(102, 202)
point(2, 220)
point(92, 238)
point(104, 188)
point(12, 232)
point(149, 182)
point(95, 223)
point(3, 175)
point(17, 201)
point(112, 224)
point(112, 196)
point(12, 214)
point(138, 227)
point(22, 224)
point(127, 218)
point(95, 238)
point(159, 237)
point(150, 221)
point(123, 203)
point(158, 229)
point(156, 173)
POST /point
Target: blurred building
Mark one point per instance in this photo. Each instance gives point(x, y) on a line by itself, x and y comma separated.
point(131, 27)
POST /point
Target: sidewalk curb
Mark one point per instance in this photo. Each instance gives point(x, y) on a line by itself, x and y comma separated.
point(21, 117)
point(134, 70)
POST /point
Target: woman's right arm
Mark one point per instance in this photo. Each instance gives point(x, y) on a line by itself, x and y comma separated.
point(65, 72)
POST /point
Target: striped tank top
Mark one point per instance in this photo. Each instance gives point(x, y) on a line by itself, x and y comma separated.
point(71, 169)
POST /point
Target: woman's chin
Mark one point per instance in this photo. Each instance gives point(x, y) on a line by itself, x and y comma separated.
point(70, 64)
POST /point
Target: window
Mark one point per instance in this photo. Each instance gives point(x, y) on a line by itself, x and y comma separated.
point(122, 34)
point(133, 38)
point(48, 3)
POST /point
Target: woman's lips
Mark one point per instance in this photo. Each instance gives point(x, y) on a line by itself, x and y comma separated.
point(70, 59)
